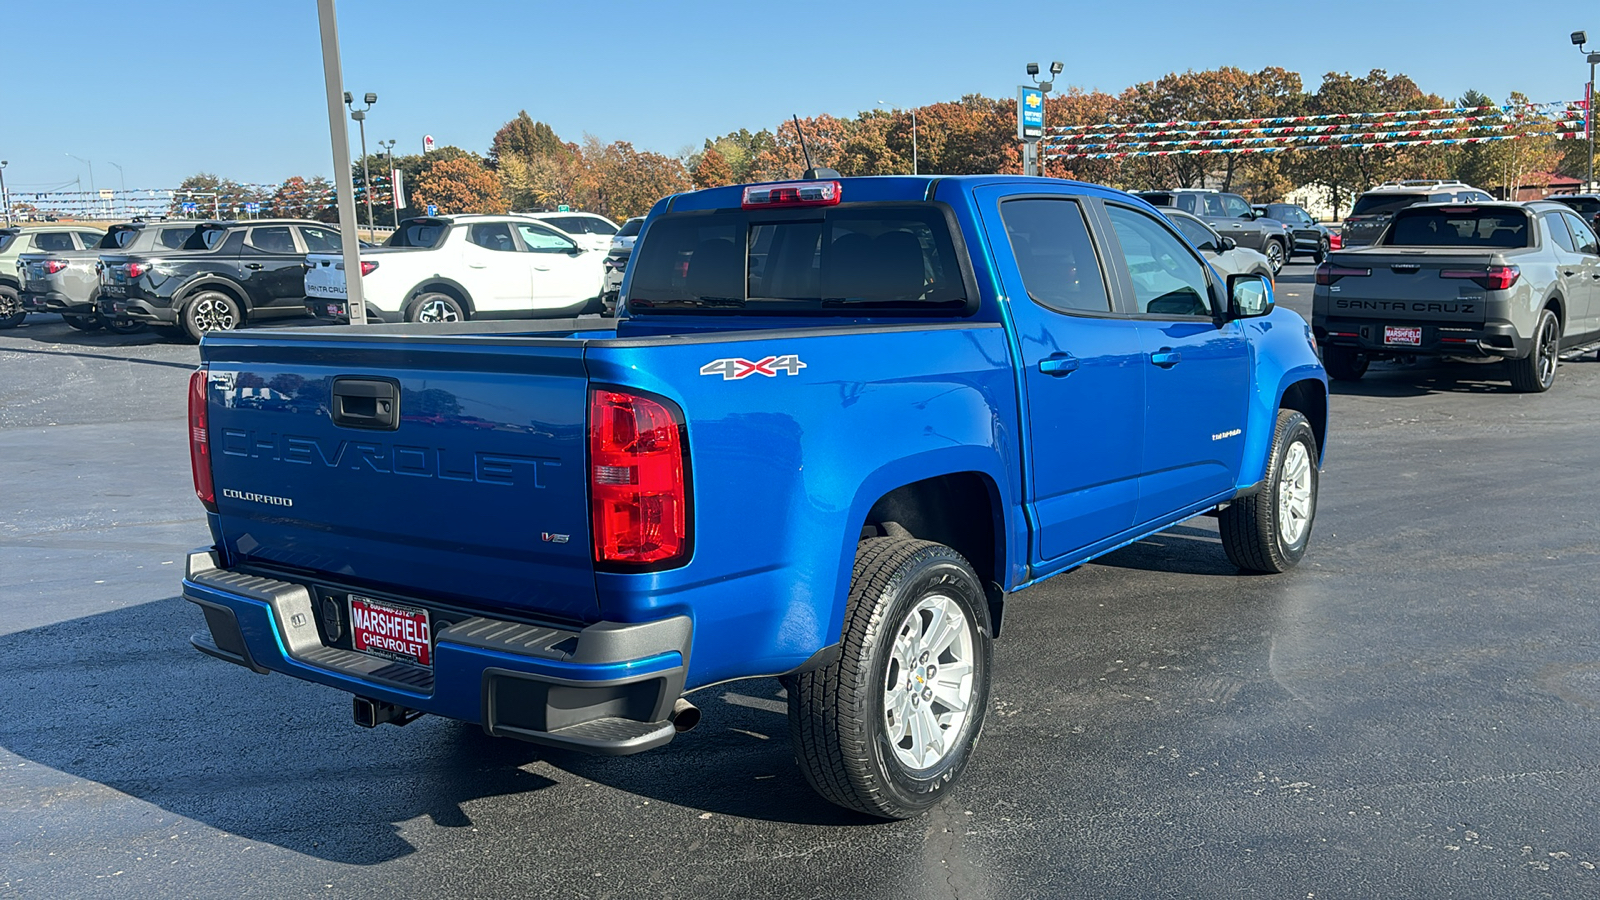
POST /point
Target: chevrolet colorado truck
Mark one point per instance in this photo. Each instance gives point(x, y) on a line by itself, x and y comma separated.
point(1495, 280)
point(837, 423)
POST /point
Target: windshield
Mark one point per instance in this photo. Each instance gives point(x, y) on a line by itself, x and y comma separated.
point(1385, 204)
point(1458, 226)
point(418, 234)
point(6, 237)
point(630, 228)
point(843, 259)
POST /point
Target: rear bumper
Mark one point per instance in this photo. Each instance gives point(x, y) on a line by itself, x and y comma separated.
point(56, 302)
point(335, 311)
point(1492, 339)
point(606, 689)
point(138, 309)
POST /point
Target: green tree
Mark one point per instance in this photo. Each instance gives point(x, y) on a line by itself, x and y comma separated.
point(524, 137)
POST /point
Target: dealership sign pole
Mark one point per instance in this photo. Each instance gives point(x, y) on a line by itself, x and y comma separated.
point(344, 182)
point(1030, 125)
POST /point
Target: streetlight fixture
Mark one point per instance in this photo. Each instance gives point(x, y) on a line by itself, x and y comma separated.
point(92, 188)
point(1030, 153)
point(360, 115)
point(913, 138)
point(5, 199)
point(394, 195)
point(1580, 38)
point(123, 181)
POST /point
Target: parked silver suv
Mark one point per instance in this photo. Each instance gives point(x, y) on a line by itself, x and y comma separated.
point(1232, 217)
point(1376, 207)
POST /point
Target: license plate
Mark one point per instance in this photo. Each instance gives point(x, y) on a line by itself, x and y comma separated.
point(335, 310)
point(390, 631)
point(112, 290)
point(1410, 335)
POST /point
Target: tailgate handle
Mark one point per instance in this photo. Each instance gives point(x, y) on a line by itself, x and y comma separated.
point(366, 403)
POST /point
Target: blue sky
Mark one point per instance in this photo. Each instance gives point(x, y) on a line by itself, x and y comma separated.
point(236, 87)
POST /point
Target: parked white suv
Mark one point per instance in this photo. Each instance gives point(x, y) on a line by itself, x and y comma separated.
point(590, 230)
point(449, 268)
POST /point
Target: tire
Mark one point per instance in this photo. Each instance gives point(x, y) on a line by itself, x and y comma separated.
point(1268, 531)
point(435, 307)
point(210, 311)
point(1321, 253)
point(851, 722)
point(1344, 363)
point(1276, 255)
point(11, 311)
point(1536, 373)
point(85, 323)
point(122, 326)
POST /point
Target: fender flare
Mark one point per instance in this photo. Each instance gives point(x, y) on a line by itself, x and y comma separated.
point(211, 280)
point(416, 291)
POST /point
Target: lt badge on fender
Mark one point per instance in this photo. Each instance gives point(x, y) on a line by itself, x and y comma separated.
point(735, 368)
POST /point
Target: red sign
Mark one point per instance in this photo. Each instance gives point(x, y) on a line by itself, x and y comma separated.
point(395, 632)
point(1403, 334)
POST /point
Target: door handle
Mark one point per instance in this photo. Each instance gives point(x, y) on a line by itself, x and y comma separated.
point(252, 265)
point(1058, 366)
point(541, 268)
point(1166, 357)
point(477, 265)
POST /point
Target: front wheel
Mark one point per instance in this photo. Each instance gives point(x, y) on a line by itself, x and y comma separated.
point(1536, 373)
point(1268, 531)
point(889, 727)
point(1275, 255)
point(11, 311)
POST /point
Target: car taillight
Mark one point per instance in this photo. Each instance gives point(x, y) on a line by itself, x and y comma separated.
point(200, 440)
point(792, 193)
point(1336, 241)
point(1494, 278)
point(367, 266)
point(638, 485)
point(52, 266)
point(1327, 273)
point(134, 270)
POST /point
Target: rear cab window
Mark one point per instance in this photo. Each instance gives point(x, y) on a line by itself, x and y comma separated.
point(205, 237)
point(880, 257)
point(1459, 226)
point(173, 238)
point(418, 233)
point(53, 241)
point(630, 228)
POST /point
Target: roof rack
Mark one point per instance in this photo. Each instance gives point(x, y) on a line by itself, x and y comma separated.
point(1422, 182)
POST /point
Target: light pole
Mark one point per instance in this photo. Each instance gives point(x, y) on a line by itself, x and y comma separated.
point(92, 188)
point(913, 138)
point(360, 115)
point(394, 196)
point(5, 199)
point(1030, 149)
point(123, 181)
point(1580, 38)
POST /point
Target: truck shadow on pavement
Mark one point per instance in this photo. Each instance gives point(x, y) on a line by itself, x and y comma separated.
point(121, 699)
point(1388, 380)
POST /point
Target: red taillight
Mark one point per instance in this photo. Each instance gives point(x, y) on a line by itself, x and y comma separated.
point(1328, 273)
point(638, 488)
point(200, 441)
point(52, 266)
point(1336, 241)
point(367, 266)
point(1494, 278)
point(134, 270)
point(792, 193)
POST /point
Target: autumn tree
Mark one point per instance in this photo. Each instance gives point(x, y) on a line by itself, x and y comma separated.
point(628, 181)
point(711, 169)
point(461, 185)
point(303, 198)
point(213, 196)
point(524, 137)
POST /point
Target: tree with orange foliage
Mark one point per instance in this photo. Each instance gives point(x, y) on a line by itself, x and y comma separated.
point(712, 170)
point(461, 185)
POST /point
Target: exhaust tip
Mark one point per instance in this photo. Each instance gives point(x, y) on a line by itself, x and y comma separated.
point(685, 715)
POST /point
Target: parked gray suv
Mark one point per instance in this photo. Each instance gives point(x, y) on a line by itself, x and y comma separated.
point(68, 281)
point(1232, 217)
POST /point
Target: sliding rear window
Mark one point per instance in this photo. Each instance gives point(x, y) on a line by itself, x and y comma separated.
point(1459, 226)
point(896, 258)
point(418, 234)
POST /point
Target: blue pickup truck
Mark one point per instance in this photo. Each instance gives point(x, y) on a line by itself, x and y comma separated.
point(838, 422)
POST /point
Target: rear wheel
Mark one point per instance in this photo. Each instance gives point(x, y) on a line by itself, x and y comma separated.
point(1536, 373)
point(435, 307)
point(1344, 363)
point(1275, 255)
point(1269, 530)
point(888, 728)
point(123, 325)
point(11, 311)
point(211, 311)
point(1321, 252)
point(85, 323)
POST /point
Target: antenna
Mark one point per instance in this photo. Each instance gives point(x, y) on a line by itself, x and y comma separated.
point(812, 173)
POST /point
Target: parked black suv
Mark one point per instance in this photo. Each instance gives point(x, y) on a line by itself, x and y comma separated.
point(1373, 210)
point(1311, 237)
point(1586, 205)
point(227, 275)
point(1232, 217)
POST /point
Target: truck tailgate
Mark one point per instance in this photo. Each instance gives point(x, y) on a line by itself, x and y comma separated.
point(1410, 284)
point(434, 469)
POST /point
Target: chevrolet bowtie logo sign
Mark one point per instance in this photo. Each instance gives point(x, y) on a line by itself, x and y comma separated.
point(1033, 101)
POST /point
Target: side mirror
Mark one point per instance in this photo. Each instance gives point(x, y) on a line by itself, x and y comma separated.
point(1228, 243)
point(1249, 296)
point(575, 250)
point(1208, 246)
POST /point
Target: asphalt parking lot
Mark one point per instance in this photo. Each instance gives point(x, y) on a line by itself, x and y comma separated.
point(1414, 712)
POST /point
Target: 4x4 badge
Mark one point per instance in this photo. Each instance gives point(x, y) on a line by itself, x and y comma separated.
point(736, 368)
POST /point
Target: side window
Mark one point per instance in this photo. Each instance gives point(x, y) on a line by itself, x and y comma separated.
point(1214, 205)
point(1055, 255)
point(51, 241)
point(1198, 234)
point(1167, 279)
point(272, 239)
point(173, 238)
point(539, 239)
point(598, 225)
point(1235, 206)
point(91, 239)
point(1582, 234)
point(1186, 202)
point(1558, 232)
point(320, 240)
point(492, 236)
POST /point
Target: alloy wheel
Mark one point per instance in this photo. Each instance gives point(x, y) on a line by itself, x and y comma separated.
point(928, 688)
point(1294, 494)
